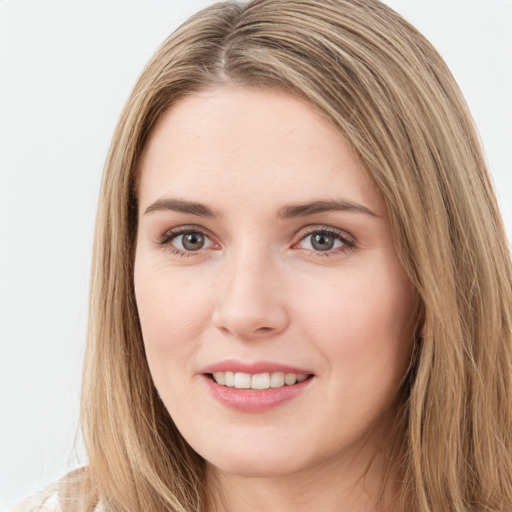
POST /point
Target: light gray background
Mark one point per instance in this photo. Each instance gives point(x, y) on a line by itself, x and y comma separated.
point(66, 68)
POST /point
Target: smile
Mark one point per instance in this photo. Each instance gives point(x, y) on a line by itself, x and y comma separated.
point(257, 392)
point(258, 381)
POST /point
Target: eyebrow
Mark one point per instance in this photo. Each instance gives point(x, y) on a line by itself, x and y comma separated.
point(286, 212)
point(314, 207)
point(182, 206)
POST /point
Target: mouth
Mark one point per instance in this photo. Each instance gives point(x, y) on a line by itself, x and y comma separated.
point(256, 387)
point(258, 381)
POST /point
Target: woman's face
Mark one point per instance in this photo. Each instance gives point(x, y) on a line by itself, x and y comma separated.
point(277, 319)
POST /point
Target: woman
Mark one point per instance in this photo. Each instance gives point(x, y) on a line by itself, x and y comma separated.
point(301, 284)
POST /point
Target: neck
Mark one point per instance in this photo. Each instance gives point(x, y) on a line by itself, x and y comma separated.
point(329, 487)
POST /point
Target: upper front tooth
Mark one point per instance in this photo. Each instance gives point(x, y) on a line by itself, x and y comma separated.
point(242, 380)
point(229, 378)
point(260, 381)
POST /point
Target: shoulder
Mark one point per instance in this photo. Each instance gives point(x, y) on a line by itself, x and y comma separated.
point(58, 496)
point(44, 501)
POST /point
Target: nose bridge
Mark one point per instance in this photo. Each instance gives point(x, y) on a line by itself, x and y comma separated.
point(249, 300)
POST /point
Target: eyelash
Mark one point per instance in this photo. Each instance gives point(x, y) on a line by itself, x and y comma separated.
point(348, 243)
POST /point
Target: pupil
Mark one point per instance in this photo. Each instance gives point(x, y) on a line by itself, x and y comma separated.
point(322, 242)
point(193, 241)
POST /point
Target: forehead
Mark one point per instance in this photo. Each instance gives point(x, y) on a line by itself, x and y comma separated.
point(231, 143)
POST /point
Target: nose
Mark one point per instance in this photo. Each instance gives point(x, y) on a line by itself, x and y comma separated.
point(250, 300)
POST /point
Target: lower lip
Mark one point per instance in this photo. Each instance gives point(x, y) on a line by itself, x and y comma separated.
point(251, 400)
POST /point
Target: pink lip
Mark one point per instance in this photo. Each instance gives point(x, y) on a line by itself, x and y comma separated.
point(231, 365)
point(251, 400)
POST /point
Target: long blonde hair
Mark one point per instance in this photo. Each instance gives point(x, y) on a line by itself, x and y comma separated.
point(384, 87)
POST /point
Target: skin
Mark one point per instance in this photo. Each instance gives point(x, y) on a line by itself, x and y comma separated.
point(259, 290)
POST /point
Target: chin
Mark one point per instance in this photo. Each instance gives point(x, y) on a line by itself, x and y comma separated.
point(250, 468)
point(263, 461)
point(255, 460)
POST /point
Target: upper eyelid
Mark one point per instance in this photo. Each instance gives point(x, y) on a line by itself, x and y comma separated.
point(319, 228)
point(180, 230)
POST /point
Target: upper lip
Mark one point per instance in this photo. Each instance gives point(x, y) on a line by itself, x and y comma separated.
point(255, 367)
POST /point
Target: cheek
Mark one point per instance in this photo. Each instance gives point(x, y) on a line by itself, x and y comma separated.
point(363, 324)
point(172, 312)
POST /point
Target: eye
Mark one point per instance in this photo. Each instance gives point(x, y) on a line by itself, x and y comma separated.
point(326, 241)
point(190, 241)
point(186, 241)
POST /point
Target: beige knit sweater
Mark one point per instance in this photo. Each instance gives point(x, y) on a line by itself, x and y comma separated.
point(44, 501)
